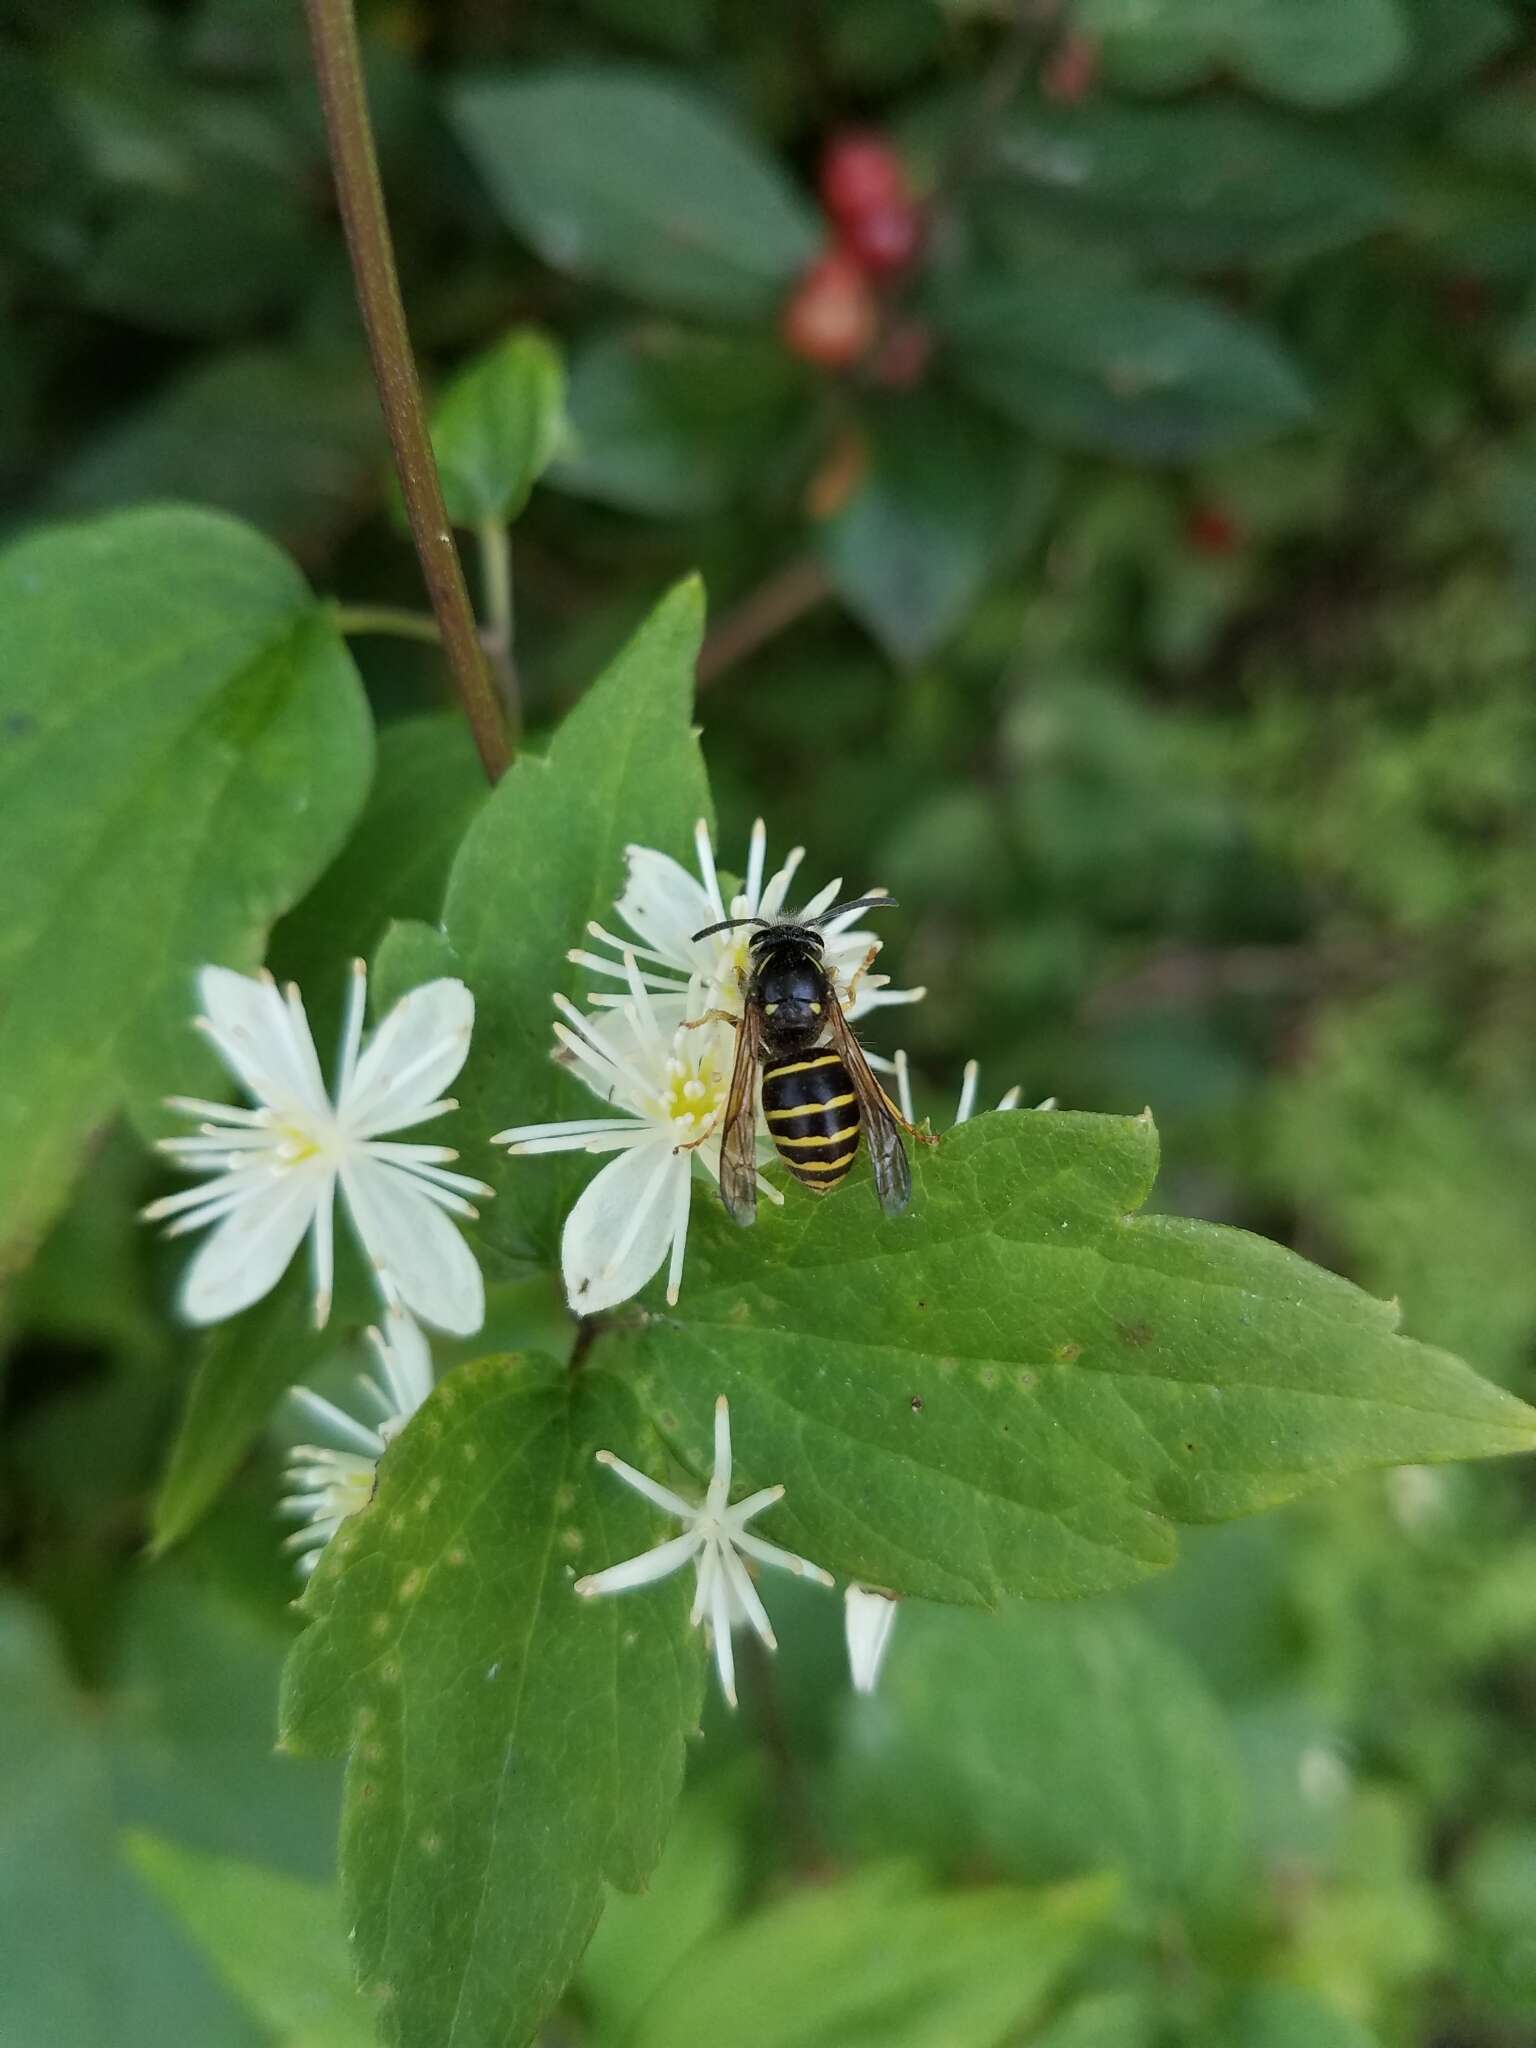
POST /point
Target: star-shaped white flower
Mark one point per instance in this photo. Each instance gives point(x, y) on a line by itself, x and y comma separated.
point(869, 1616)
point(664, 905)
point(715, 1538)
point(329, 1483)
point(277, 1166)
point(670, 1086)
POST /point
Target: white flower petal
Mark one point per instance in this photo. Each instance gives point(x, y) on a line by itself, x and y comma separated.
point(405, 1359)
point(629, 1205)
point(249, 1251)
point(412, 1056)
point(868, 1619)
point(643, 1570)
point(420, 1257)
point(665, 905)
point(251, 1026)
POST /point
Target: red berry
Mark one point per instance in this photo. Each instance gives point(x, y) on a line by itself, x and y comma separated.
point(830, 317)
point(886, 239)
point(860, 172)
point(1072, 70)
point(1211, 530)
point(903, 356)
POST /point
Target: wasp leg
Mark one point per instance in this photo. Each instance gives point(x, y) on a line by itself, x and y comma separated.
point(712, 1017)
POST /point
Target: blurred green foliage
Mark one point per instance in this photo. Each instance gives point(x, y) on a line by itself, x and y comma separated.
point(1160, 627)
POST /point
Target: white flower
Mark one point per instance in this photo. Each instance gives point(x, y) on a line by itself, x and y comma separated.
point(277, 1166)
point(664, 905)
point(869, 1616)
point(966, 1107)
point(715, 1534)
point(329, 1484)
point(670, 1085)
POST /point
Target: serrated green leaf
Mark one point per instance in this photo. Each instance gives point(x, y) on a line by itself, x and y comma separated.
point(1204, 183)
point(512, 1748)
point(875, 1959)
point(1021, 1385)
point(1054, 1741)
point(183, 745)
point(626, 175)
point(276, 1941)
point(1313, 53)
point(1156, 376)
point(544, 856)
point(497, 426)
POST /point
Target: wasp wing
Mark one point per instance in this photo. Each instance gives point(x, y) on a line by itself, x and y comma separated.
point(738, 1142)
point(882, 1128)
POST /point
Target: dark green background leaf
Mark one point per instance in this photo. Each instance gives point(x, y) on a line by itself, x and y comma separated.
point(1058, 1740)
point(1123, 369)
point(627, 176)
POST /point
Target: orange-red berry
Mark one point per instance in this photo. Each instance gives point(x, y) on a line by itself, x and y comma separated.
point(860, 173)
point(830, 317)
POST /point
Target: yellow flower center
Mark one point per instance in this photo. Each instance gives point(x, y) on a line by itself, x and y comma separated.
point(694, 1091)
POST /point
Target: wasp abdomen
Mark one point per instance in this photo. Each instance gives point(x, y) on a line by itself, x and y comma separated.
point(812, 1111)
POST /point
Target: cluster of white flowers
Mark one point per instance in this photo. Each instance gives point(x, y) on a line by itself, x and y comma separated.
point(276, 1168)
point(657, 1047)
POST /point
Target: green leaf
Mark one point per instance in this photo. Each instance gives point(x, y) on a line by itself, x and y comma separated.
point(1205, 183)
point(1314, 53)
point(513, 1748)
point(55, 1842)
point(427, 787)
point(497, 426)
point(676, 423)
point(183, 746)
point(912, 547)
point(1053, 1741)
point(1154, 376)
point(626, 176)
point(545, 855)
point(243, 1367)
point(1033, 1377)
point(1111, 2019)
point(876, 1959)
point(641, 1941)
point(1281, 2016)
point(288, 440)
point(276, 1941)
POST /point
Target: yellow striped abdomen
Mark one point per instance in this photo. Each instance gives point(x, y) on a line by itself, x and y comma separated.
point(812, 1113)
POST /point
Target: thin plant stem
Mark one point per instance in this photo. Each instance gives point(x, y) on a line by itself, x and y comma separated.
point(393, 620)
point(496, 593)
point(339, 72)
point(777, 604)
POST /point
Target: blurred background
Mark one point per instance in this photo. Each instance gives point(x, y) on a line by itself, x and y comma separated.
point(1108, 431)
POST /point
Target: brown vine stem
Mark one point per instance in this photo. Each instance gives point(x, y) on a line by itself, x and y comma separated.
point(771, 609)
point(339, 72)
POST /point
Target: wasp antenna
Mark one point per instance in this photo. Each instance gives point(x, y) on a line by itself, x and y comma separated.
point(727, 924)
point(858, 903)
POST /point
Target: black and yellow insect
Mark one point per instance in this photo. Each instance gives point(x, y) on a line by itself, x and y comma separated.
point(818, 1090)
